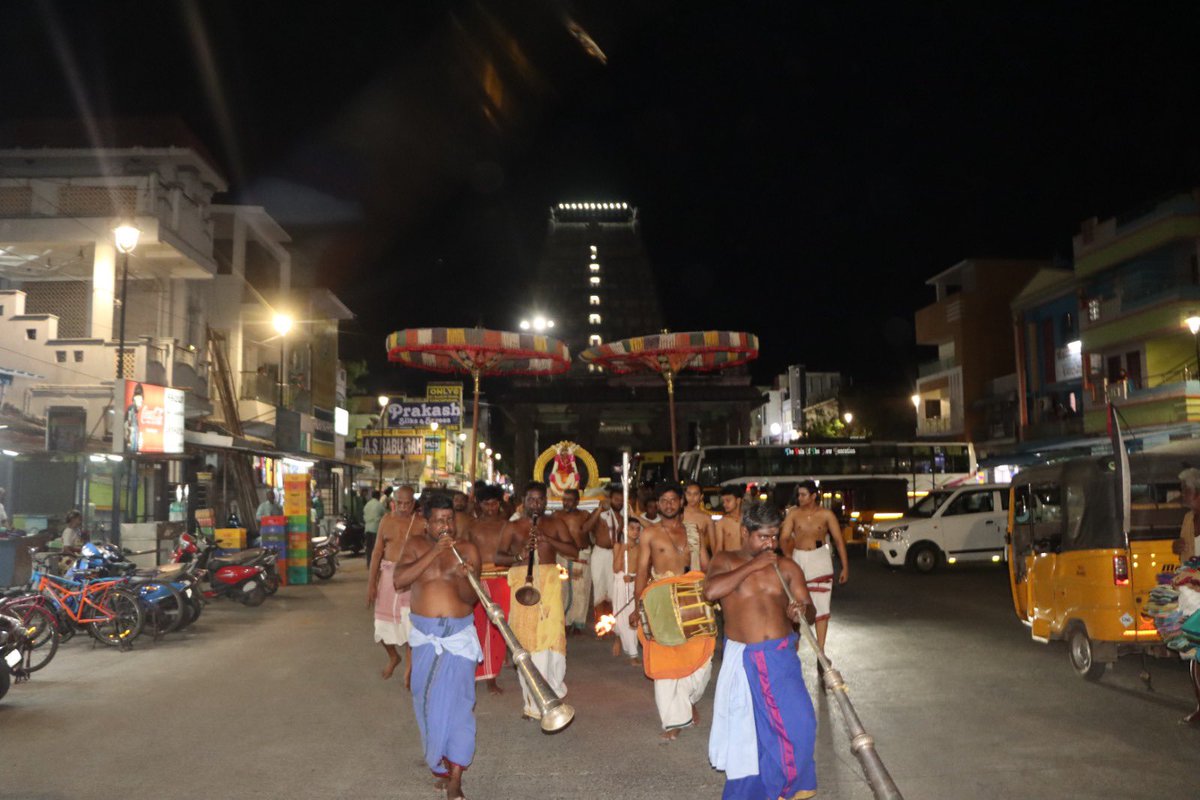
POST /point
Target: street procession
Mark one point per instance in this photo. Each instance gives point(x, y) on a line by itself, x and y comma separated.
point(548, 400)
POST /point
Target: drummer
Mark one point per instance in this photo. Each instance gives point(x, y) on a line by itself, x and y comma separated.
point(680, 673)
point(484, 533)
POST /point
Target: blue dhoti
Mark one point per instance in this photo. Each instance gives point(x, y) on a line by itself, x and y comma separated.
point(764, 728)
point(444, 654)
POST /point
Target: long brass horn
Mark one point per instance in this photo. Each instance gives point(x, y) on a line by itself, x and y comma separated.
point(556, 714)
point(528, 595)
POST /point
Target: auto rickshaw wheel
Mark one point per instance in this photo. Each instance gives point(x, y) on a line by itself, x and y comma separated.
point(1082, 655)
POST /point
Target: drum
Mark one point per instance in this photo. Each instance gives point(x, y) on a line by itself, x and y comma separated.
point(675, 611)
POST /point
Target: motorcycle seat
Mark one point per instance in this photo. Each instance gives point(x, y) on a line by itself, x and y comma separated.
point(241, 556)
point(319, 540)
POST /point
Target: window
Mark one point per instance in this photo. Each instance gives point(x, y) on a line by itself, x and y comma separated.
point(594, 280)
point(593, 319)
point(593, 300)
point(60, 356)
point(592, 247)
point(594, 340)
point(31, 333)
point(970, 503)
point(594, 267)
point(78, 356)
point(1093, 311)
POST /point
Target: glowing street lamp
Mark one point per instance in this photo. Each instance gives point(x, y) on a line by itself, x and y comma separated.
point(383, 401)
point(849, 417)
point(282, 323)
point(125, 237)
point(539, 324)
point(1193, 324)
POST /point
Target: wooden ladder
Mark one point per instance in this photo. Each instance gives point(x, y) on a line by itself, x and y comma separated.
point(243, 472)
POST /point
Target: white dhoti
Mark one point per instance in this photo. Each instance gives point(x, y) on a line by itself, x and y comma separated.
point(392, 609)
point(553, 666)
point(675, 697)
point(622, 600)
point(602, 574)
point(577, 591)
point(817, 566)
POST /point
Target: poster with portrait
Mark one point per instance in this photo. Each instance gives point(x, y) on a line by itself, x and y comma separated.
point(151, 419)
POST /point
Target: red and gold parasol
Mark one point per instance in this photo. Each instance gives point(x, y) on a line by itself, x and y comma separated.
point(478, 352)
point(668, 354)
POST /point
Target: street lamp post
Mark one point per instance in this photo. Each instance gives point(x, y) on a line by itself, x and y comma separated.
point(912, 456)
point(126, 238)
point(1193, 323)
point(383, 404)
point(282, 324)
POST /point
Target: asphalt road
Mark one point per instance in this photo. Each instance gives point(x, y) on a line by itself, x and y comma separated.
point(285, 701)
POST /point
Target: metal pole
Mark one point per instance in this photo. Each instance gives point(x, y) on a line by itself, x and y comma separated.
point(474, 423)
point(382, 411)
point(671, 402)
point(282, 338)
point(625, 509)
point(862, 744)
point(1197, 340)
point(119, 409)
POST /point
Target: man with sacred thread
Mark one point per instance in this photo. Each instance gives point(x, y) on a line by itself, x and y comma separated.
point(445, 647)
point(530, 546)
point(764, 729)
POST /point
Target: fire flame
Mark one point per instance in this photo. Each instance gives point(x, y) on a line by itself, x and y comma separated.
point(563, 574)
point(605, 625)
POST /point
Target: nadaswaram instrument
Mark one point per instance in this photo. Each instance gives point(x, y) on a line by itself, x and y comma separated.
point(556, 714)
point(528, 595)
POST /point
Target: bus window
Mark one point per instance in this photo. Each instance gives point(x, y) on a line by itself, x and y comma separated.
point(957, 460)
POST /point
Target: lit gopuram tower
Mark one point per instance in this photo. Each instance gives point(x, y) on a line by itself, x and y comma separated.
point(594, 278)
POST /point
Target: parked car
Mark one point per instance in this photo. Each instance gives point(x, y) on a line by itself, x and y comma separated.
point(947, 526)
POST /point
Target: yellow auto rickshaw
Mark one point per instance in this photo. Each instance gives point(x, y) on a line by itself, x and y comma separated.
point(1075, 574)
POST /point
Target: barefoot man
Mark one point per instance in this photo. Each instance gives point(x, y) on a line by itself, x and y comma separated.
point(680, 673)
point(625, 555)
point(539, 628)
point(397, 529)
point(804, 537)
point(763, 728)
point(577, 592)
point(697, 521)
point(445, 648)
point(485, 535)
point(727, 531)
point(603, 526)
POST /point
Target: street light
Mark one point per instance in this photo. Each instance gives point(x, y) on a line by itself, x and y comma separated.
point(912, 455)
point(776, 429)
point(496, 456)
point(848, 417)
point(433, 426)
point(539, 324)
point(1193, 323)
point(282, 324)
point(125, 237)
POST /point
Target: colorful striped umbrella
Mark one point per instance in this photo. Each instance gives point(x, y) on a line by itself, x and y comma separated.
point(477, 352)
point(668, 354)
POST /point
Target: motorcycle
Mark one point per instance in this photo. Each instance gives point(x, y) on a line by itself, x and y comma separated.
point(251, 557)
point(351, 535)
point(325, 556)
point(246, 583)
point(14, 650)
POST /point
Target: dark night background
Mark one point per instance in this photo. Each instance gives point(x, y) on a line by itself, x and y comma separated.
point(800, 168)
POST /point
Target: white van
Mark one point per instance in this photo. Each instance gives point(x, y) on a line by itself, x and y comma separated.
point(947, 526)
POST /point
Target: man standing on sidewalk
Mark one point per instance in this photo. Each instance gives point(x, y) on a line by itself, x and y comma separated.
point(373, 512)
point(445, 648)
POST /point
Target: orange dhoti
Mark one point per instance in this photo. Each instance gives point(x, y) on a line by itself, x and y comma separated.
point(494, 649)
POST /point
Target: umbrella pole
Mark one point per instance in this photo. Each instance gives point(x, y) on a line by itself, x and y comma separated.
point(474, 424)
point(671, 403)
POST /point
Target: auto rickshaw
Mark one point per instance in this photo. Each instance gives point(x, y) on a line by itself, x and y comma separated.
point(1075, 574)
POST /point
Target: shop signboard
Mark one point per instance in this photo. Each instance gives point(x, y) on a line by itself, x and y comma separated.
point(442, 392)
point(390, 443)
point(152, 421)
point(1068, 365)
point(421, 413)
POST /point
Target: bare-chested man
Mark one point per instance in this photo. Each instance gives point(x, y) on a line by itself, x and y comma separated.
point(760, 692)
point(445, 648)
point(397, 528)
point(603, 525)
point(485, 533)
point(803, 537)
point(696, 518)
point(648, 503)
point(625, 559)
point(577, 592)
point(666, 551)
point(727, 532)
point(539, 628)
point(462, 514)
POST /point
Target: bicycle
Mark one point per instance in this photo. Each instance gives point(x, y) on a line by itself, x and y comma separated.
point(39, 623)
point(107, 608)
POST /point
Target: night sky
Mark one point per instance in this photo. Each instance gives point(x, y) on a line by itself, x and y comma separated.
point(800, 168)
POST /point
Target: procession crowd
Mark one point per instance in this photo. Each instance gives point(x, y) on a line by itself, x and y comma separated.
point(672, 583)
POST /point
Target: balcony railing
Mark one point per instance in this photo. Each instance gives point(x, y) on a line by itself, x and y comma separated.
point(934, 367)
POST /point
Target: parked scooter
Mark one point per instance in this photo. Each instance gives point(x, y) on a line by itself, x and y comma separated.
point(325, 556)
point(246, 583)
point(351, 535)
point(14, 649)
point(252, 557)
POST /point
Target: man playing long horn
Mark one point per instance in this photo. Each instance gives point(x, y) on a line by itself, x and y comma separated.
point(484, 533)
point(445, 647)
point(763, 729)
point(680, 672)
point(539, 627)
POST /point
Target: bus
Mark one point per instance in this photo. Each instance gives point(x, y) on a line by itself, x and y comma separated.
point(864, 480)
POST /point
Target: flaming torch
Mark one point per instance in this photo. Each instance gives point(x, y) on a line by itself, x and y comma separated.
point(605, 625)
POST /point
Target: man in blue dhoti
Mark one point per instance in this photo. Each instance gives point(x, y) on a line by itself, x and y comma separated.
point(764, 729)
point(445, 647)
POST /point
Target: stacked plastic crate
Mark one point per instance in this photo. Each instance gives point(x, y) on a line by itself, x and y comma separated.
point(273, 536)
point(295, 508)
